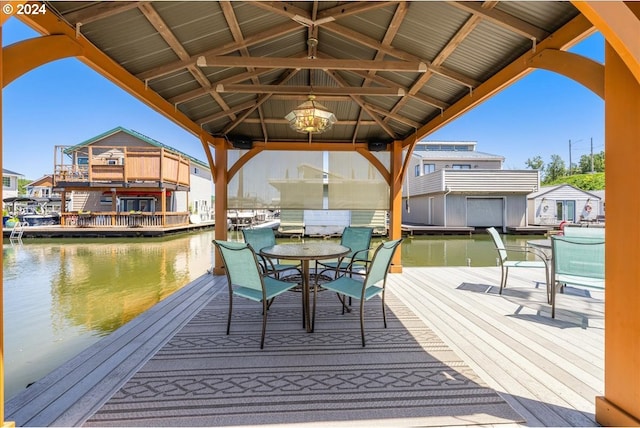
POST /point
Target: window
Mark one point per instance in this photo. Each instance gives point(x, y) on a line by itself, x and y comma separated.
point(428, 168)
point(112, 161)
point(461, 166)
point(417, 170)
point(6, 181)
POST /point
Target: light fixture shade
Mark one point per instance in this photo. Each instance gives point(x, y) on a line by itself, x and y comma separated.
point(311, 117)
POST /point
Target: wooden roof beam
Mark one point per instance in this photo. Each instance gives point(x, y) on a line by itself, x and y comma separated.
point(310, 64)
point(249, 41)
point(315, 90)
point(502, 19)
point(100, 11)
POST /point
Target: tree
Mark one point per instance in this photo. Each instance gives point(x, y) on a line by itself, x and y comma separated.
point(535, 163)
point(598, 163)
point(555, 169)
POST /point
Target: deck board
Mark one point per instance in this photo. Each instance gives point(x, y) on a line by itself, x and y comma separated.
point(548, 370)
point(538, 363)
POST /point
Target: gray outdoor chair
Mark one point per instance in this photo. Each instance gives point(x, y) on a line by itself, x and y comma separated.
point(374, 282)
point(505, 263)
point(245, 279)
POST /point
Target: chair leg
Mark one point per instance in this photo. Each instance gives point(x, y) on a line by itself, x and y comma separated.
point(384, 313)
point(362, 321)
point(230, 308)
point(264, 323)
point(553, 300)
point(502, 279)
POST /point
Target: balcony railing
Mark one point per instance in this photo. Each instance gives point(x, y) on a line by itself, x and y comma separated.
point(121, 164)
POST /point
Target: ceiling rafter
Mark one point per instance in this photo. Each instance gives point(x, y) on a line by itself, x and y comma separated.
point(502, 19)
point(284, 78)
point(335, 76)
point(293, 12)
point(446, 51)
point(162, 28)
point(99, 11)
point(249, 41)
point(310, 64)
point(392, 30)
point(398, 53)
point(238, 37)
point(315, 90)
point(196, 93)
point(388, 83)
point(396, 117)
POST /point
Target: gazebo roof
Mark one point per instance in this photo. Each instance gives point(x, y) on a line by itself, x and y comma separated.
point(385, 69)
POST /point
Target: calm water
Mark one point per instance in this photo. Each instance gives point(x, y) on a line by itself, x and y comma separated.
point(60, 296)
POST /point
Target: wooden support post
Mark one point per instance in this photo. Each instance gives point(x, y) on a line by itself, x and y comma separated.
point(221, 187)
point(395, 203)
point(620, 405)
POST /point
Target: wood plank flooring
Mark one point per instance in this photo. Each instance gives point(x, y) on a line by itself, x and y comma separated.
point(548, 370)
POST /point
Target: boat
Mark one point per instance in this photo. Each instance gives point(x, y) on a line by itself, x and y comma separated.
point(34, 219)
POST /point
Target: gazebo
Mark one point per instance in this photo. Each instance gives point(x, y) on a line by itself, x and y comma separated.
point(270, 86)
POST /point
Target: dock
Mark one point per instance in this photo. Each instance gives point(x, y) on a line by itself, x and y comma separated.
point(508, 347)
point(57, 231)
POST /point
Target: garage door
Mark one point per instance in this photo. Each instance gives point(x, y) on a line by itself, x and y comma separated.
point(484, 212)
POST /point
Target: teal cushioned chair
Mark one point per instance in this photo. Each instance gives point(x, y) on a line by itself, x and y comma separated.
point(245, 279)
point(374, 282)
point(578, 261)
point(263, 238)
point(358, 240)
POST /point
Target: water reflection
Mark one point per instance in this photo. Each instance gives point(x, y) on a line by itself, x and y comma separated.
point(60, 296)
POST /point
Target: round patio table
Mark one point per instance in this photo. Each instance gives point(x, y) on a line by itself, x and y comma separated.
point(305, 252)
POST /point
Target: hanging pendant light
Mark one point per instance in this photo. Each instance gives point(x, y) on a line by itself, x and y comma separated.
point(311, 117)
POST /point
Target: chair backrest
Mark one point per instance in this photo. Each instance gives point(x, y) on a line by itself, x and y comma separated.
point(497, 241)
point(259, 238)
point(357, 239)
point(380, 262)
point(593, 232)
point(578, 256)
point(240, 264)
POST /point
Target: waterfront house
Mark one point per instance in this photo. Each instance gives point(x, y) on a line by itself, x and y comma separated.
point(124, 178)
point(451, 184)
point(564, 202)
point(10, 183)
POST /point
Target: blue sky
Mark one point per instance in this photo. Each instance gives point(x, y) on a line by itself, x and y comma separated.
point(65, 102)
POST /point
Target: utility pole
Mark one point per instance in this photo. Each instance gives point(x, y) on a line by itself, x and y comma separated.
point(592, 155)
point(569, 157)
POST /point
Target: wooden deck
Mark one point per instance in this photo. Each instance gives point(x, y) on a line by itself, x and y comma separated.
point(550, 371)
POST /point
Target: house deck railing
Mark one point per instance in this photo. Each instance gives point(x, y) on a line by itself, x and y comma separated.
point(119, 219)
point(133, 165)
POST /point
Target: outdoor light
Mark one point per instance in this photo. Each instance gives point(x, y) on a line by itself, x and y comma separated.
point(311, 117)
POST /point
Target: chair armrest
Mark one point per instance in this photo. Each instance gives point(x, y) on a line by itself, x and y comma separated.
point(528, 250)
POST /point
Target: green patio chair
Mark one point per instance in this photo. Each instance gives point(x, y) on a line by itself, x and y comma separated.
point(374, 282)
point(578, 261)
point(245, 279)
point(505, 263)
point(263, 238)
point(358, 240)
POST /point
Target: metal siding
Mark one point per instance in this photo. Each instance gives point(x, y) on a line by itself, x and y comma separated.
point(491, 181)
point(456, 210)
point(516, 211)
